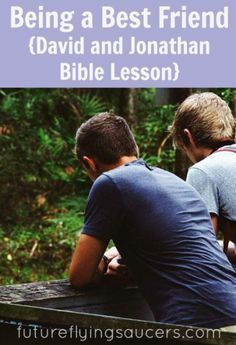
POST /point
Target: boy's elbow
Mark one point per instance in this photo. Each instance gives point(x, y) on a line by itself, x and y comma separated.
point(78, 280)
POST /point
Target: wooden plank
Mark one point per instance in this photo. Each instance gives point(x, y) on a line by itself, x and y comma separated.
point(36, 303)
point(38, 291)
point(60, 295)
point(58, 318)
point(104, 299)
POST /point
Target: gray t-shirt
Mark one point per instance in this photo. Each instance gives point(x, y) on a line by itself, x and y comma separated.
point(215, 179)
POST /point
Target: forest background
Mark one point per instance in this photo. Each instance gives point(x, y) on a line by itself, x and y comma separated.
point(43, 190)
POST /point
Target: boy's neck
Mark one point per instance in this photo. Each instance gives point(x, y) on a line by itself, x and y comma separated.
point(123, 160)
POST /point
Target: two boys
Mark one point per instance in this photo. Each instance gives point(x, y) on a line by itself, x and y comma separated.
point(160, 226)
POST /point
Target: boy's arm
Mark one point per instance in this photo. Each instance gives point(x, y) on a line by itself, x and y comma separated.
point(103, 217)
point(228, 228)
point(214, 222)
point(86, 264)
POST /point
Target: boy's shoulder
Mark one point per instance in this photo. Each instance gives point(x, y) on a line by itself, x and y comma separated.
point(218, 159)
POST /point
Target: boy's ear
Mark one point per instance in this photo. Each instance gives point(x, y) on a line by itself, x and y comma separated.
point(89, 163)
point(188, 138)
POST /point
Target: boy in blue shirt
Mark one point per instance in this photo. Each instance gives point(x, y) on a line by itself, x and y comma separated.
point(160, 227)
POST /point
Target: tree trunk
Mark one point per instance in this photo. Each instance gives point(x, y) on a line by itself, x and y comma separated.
point(175, 96)
point(171, 96)
point(128, 105)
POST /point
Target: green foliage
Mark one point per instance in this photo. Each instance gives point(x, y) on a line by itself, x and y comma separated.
point(37, 140)
point(152, 132)
point(228, 95)
point(90, 105)
point(39, 173)
point(43, 250)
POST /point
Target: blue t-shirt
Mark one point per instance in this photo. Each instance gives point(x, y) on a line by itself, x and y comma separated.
point(162, 229)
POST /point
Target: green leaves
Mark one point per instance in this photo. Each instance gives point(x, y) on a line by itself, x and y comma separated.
point(42, 188)
point(152, 132)
point(42, 250)
point(91, 105)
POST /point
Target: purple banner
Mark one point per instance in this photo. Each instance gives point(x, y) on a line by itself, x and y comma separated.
point(89, 43)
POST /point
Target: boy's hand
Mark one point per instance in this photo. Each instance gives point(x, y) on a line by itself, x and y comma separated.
point(107, 257)
point(116, 268)
point(112, 253)
point(118, 272)
point(113, 260)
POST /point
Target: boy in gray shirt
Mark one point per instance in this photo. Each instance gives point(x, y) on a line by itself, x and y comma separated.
point(204, 128)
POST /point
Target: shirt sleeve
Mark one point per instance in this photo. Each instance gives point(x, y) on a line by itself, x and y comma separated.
point(103, 214)
point(205, 187)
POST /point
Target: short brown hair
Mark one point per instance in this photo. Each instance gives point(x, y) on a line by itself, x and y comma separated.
point(207, 117)
point(105, 137)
